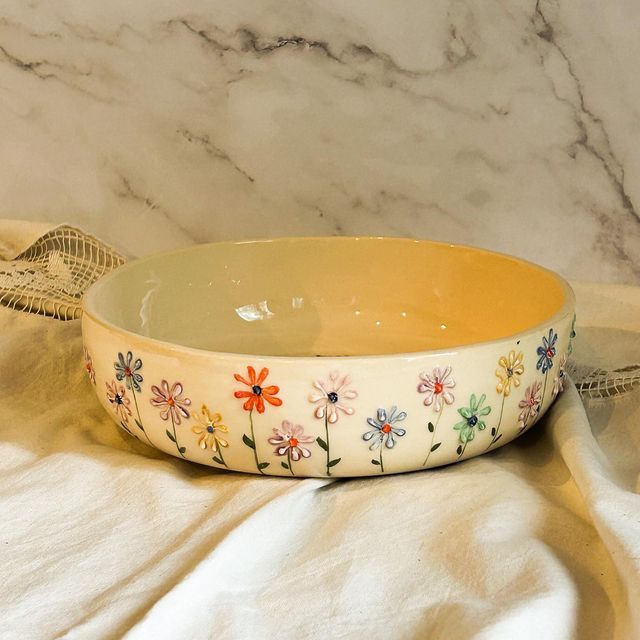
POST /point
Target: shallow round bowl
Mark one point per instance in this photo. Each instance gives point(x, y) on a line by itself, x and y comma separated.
point(327, 356)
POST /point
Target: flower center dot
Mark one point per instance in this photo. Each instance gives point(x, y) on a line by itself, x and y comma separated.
point(549, 353)
point(386, 428)
point(117, 399)
point(293, 442)
point(256, 389)
point(170, 401)
point(333, 397)
point(509, 371)
point(127, 371)
point(437, 387)
point(472, 421)
point(210, 429)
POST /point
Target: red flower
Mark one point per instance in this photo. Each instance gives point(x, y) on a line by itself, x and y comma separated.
point(258, 394)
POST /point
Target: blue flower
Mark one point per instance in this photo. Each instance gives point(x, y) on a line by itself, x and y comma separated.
point(384, 429)
point(572, 335)
point(126, 371)
point(547, 351)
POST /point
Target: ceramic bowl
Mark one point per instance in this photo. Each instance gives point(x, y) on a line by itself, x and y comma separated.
point(327, 356)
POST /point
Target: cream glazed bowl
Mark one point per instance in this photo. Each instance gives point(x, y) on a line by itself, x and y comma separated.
point(327, 356)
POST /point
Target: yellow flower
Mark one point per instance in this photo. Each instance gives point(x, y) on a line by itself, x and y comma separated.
point(509, 372)
point(208, 428)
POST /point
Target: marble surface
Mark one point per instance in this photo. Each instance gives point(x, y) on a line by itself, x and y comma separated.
point(509, 125)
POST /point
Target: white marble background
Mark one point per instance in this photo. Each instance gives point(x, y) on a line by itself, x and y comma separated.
point(510, 125)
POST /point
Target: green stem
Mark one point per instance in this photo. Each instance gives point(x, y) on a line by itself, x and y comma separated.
point(381, 463)
point(255, 444)
point(495, 435)
point(433, 435)
point(326, 432)
point(220, 455)
point(289, 461)
point(544, 390)
point(175, 435)
point(135, 401)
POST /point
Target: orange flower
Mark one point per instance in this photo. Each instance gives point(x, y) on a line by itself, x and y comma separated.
point(258, 394)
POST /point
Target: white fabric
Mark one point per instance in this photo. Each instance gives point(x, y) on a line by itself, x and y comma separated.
point(102, 537)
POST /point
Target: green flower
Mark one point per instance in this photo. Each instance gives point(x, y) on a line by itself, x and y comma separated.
point(472, 418)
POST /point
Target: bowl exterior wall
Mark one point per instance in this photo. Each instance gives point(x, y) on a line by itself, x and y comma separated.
point(327, 416)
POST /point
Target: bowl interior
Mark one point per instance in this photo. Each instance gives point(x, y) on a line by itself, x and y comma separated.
point(327, 296)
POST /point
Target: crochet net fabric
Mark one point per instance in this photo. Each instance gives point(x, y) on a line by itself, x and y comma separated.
point(51, 275)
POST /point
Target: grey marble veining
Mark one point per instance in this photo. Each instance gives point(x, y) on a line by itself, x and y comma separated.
point(508, 125)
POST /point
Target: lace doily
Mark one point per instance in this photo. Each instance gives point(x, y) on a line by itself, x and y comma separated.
point(50, 277)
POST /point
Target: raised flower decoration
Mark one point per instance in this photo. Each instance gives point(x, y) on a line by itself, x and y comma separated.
point(117, 397)
point(254, 398)
point(547, 352)
point(559, 378)
point(88, 366)
point(472, 420)
point(384, 431)
point(127, 370)
point(257, 394)
point(329, 398)
point(172, 406)
point(288, 440)
point(436, 387)
point(530, 405)
point(509, 370)
point(209, 428)
point(572, 335)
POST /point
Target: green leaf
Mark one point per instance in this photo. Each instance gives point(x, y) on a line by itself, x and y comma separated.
point(248, 441)
point(139, 424)
point(322, 443)
point(124, 426)
point(435, 446)
point(216, 459)
point(498, 438)
point(374, 461)
point(431, 427)
point(285, 465)
point(170, 436)
point(459, 450)
point(263, 465)
point(182, 449)
point(333, 463)
point(493, 431)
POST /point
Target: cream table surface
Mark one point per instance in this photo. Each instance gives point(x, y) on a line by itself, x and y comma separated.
point(102, 537)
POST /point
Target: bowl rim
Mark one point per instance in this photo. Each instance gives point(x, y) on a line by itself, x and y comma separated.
point(166, 346)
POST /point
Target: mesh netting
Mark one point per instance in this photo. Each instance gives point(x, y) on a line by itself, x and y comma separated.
point(50, 277)
point(606, 383)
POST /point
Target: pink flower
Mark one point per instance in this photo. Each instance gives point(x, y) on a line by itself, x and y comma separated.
point(558, 380)
point(288, 439)
point(436, 387)
point(88, 365)
point(530, 405)
point(171, 399)
point(330, 397)
point(116, 395)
